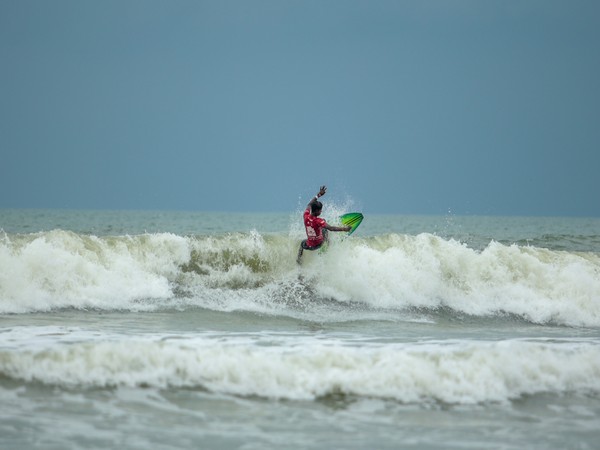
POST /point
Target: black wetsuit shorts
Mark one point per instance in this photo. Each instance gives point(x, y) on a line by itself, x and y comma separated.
point(306, 247)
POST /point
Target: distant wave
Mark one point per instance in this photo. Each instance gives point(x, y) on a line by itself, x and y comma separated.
point(565, 242)
point(249, 271)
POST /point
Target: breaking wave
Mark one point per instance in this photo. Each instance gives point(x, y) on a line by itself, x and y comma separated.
point(250, 271)
point(306, 368)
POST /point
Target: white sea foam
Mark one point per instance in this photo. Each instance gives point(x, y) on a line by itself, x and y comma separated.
point(63, 269)
point(249, 271)
point(455, 372)
point(427, 271)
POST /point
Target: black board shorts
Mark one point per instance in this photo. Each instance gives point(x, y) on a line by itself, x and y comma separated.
point(306, 247)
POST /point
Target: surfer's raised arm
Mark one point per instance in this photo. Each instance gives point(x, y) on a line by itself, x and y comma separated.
point(321, 193)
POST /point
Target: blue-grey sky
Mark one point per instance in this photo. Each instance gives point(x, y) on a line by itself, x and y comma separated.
point(423, 106)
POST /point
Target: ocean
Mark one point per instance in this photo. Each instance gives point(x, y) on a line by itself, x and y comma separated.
point(173, 330)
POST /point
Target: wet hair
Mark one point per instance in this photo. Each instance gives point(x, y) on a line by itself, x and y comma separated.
point(316, 206)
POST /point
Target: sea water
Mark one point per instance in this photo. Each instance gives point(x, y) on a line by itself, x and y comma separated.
point(198, 330)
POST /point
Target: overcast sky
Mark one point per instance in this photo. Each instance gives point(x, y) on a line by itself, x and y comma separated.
point(470, 106)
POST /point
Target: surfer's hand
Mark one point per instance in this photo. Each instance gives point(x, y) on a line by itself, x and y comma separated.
point(347, 228)
point(322, 191)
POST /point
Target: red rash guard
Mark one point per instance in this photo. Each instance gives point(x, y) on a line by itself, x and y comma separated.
point(314, 226)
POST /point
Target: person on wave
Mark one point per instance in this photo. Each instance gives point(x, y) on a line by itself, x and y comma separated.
point(316, 228)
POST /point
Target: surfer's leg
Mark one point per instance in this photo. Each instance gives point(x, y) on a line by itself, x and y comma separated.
point(300, 251)
point(326, 235)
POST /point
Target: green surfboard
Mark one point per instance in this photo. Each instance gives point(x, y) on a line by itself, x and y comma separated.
point(353, 220)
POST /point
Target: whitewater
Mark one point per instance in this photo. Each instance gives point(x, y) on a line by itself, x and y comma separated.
point(177, 329)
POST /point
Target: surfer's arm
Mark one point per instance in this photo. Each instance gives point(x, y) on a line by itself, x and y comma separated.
point(321, 193)
point(332, 228)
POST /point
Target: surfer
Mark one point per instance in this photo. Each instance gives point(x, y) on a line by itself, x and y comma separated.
point(316, 228)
